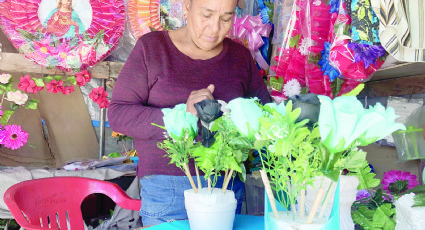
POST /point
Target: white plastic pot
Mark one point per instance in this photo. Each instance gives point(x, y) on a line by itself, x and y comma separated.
point(408, 217)
point(289, 221)
point(210, 210)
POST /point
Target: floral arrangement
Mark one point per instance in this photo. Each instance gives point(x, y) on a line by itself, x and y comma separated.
point(54, 84)
point(11, 135)
point(293, 151)
point(326, 47)
point(181, 129)
point(376, 209)
point(344, 125)
point(222, 150)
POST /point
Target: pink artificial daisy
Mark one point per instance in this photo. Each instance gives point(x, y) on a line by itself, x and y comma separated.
point(393, 176)
point(15, 137)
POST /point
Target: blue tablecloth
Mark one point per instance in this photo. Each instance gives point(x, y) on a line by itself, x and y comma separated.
point(242, 222)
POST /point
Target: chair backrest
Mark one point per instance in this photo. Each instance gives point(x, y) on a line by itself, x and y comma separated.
point(55, 203)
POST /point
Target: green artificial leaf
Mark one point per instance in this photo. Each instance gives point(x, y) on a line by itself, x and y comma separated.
point(363, 217)
point(32, 104)
point(356, 91)
point(276, 83)
point(241, 142)
point(419, 200)
point(336, 86)
point(6, 116)
point(72, 80)
point(398, 187)
point(13, 106)
point(416, 190)
point(48, 79)
point(29, 37)
point(57, 77)
point(39, 82)
point(382, 218)
point(366, 177)
point(242, 175)
point(294, 41)
point(332, 174)
point(355, 159)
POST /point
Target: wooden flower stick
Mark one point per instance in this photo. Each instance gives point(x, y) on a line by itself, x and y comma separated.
point(197, 176)
point(209, 184)
point(302, 203)
point(328, 197)
point(315, 205)
point(227, 180)
point(186, 169)
point(269, 192)
point(226, 173)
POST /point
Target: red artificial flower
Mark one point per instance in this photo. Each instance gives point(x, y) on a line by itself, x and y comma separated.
point(263, 73)
point(55, 86)
point(98, 93)
point(68, 89)
point(28, 85)
point(103, 103)
point(99, 96)
point(83, 77)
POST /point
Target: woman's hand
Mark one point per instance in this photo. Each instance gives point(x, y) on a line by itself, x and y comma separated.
point(197, 96)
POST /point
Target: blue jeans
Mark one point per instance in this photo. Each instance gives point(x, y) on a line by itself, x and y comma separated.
point(163, 197)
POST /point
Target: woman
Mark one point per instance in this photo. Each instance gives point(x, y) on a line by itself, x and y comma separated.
point(187, 65)
point(64, 21)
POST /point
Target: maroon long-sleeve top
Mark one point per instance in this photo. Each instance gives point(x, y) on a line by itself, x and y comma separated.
point(157, 75)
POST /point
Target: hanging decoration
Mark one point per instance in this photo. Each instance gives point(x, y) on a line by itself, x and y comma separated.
point(147, 15)
point(249, 31)
point(71, 35)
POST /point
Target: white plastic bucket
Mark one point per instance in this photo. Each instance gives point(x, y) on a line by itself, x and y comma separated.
point(210, 210)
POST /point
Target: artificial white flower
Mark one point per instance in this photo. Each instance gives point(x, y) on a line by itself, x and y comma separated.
point(17, 97)
point(317, 2)
point(305, 44)
point(292, 88)
point(4, 78)
point(224, 107)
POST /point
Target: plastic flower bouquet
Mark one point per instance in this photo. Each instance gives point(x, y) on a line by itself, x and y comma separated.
point(399, 204)
point(291, 158)
point(221, 151)
point(12, 135)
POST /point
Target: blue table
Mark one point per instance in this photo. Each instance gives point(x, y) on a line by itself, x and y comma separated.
point(242, 222)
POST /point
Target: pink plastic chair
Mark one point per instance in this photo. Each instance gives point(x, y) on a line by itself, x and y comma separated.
point(55, 203)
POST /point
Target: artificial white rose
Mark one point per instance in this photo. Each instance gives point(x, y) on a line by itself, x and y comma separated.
point(17, 97)
point(4, 78)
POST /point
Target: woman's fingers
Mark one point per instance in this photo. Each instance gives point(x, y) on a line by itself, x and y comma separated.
point(197, 96)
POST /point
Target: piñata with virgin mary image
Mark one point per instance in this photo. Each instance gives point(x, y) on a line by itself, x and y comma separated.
point(71, 35)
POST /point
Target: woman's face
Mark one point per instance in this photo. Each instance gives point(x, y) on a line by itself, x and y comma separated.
point(209, 21)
